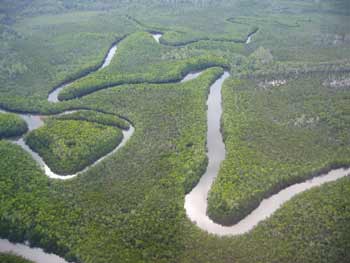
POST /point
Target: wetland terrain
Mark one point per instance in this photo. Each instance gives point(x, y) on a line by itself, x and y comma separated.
point(174, 131)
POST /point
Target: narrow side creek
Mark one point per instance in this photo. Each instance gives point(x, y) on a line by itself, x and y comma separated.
point(53, 95)
point(157, 36)
point(196, 201)
point(36, 121)
point(250, 36)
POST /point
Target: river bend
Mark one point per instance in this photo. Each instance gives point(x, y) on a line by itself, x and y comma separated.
point(196, 201)
point(35, 122)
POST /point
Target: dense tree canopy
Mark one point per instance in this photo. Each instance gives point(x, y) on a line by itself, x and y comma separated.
point(68, 146)
point(11, 125)
point(286, 118)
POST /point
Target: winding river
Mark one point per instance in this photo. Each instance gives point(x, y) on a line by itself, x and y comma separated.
point(53, 95)
point(196, 201)
point(35, 122)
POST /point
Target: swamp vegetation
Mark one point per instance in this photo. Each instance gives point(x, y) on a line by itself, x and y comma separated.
point(286, 118)
point(11, 125)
